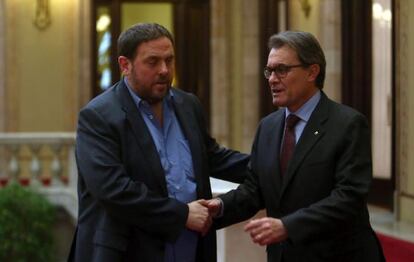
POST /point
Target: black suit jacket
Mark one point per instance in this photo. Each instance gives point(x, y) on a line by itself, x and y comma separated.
point(321, 200)
point(124, 210)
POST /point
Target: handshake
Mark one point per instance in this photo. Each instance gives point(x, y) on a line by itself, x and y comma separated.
point(201, 213)
point(263, 231)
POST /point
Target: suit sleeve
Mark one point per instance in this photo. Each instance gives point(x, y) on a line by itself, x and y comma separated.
point(353, 175)
point(103, 174)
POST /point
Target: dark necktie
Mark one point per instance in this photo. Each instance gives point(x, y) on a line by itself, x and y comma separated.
point(289, 142)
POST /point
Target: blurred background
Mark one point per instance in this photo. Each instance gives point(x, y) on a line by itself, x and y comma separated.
point(55, 55)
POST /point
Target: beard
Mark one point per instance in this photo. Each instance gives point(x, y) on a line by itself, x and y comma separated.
point(152, 93)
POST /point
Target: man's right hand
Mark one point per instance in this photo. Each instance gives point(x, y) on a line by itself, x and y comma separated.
point(198, 217)
point(214, 207)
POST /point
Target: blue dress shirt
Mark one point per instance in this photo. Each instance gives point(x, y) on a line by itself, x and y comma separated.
point(304, 112)
point(176, 160)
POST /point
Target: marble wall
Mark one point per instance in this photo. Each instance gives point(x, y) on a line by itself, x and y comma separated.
point(45, 63)
point(235, 77)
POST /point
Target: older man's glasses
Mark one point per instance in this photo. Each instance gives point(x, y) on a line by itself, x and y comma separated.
point(281, 70)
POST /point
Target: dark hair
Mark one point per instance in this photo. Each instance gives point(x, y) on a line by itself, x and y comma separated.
point(307, 49)
point(137, 34)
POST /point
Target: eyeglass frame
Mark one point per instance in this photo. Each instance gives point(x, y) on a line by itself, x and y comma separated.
point(267, 71)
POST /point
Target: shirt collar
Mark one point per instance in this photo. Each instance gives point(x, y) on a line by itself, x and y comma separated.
point(305, 111)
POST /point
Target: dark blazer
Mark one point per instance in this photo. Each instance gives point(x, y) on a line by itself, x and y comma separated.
point(124, 210)
point(322, 198)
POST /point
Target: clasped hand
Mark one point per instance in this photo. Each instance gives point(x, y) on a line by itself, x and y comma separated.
point(263, 231)
point(201, 213)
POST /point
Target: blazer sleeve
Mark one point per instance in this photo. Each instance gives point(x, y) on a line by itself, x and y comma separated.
point(100, 168)
point(347, 200)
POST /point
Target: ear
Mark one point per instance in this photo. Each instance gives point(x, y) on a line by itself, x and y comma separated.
point(314, 70)
point(124, 65)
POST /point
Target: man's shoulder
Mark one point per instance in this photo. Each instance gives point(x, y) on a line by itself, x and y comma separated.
point(336, 115)
point(107, 101)
point(186, 99)
point(342, 111)
point(181, 94)
point(273, 117)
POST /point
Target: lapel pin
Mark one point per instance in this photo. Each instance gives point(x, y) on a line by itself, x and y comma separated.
point(316, 133)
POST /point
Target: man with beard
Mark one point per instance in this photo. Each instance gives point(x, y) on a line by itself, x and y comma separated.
point(144, 158)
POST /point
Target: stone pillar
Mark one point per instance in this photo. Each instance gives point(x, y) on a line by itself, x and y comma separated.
point(84, 52)
point(234, 56)
point(220, 72)
point(404, 110)
point(330, 39)
point(250, 76)
point(2, 84)
point(2, 67)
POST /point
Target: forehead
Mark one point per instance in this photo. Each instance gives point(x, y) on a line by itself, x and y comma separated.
point(157, 47)
point(282, 55)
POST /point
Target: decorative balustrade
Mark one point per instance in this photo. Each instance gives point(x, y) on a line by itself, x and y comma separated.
point(44, 161)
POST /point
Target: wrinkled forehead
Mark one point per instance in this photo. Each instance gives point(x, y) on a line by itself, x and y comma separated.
point(282, 55)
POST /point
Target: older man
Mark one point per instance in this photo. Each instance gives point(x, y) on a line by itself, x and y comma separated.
point(310, 166)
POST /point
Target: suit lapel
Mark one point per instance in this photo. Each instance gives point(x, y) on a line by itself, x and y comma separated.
point(313, 132)
point(142, 135)
point(274, 138)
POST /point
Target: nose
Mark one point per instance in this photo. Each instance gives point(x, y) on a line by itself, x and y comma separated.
point(273, 78)
point(164, 68)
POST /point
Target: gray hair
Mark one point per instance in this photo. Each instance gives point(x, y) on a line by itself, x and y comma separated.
point(137, 34)
point(306, 47)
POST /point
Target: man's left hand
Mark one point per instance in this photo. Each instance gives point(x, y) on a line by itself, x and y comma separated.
point(267, 230)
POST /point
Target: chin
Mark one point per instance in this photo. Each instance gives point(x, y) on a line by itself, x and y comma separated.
point(162, 94)
point(277, 103)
